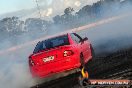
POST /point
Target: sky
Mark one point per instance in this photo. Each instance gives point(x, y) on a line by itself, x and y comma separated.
point(7, 6)
point(15, 5)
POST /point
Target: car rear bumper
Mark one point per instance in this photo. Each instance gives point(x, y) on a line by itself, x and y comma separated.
point(39, 72)
point(53, 76)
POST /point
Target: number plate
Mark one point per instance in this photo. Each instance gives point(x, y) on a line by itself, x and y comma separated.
point(50, 58)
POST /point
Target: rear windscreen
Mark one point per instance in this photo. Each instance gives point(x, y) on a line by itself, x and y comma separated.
point(51, 43)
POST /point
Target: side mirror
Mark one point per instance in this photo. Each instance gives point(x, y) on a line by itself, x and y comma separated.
point(84, 39)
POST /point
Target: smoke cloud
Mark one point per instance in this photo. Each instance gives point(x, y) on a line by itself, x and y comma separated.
point(14, 70)
point(113, 36)
point(58, 6)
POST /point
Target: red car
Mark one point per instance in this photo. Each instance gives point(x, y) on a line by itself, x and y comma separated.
point(59, 54)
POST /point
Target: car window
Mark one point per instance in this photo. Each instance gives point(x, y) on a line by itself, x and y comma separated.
point(76, 37)
point(51, 43)
point(79, 37)
point(38, 47)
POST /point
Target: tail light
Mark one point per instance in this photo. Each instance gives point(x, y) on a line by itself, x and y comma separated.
point(31, 62)
point(68, 53)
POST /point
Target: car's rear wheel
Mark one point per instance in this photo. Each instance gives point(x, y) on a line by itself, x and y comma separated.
point(91, 61)
point(82, 60)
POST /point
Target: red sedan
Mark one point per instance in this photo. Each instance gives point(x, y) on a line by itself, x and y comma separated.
point(59, 54)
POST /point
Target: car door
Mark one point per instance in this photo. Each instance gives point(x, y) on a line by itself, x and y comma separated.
point(83, 45)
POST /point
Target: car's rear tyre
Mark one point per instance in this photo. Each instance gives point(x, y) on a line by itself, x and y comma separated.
point(90, 63)
point(82, 60)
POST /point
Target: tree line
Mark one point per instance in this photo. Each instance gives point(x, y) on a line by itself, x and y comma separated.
point(13, 26)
